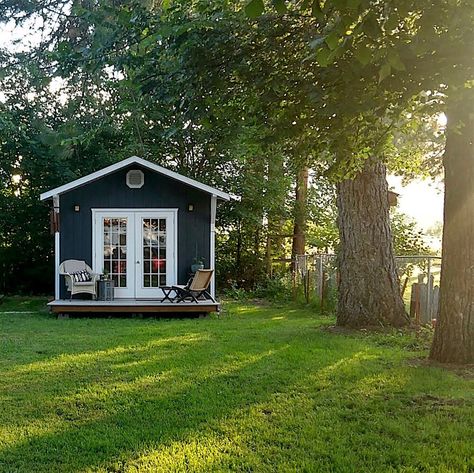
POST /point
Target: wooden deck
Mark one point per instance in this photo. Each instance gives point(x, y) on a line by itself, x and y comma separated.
point(137, 306)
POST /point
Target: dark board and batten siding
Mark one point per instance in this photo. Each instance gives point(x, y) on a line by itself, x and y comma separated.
point(158, 192)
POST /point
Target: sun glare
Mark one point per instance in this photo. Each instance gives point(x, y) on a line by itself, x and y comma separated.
point(442, 120)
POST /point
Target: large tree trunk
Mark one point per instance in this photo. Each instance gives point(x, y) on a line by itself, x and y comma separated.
point(298, 246)
point(369, 290)
point(454, 334)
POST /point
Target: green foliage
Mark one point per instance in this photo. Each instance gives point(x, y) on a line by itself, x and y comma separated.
point(408, 240)
point(42, 144)
point(201, 89)
point(275, 289)
point(254, 8)
point(237, 293)
point(322, 234)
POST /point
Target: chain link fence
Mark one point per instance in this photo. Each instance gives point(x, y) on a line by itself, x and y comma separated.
point(316, 277)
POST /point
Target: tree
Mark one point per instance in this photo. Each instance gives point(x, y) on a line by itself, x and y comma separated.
point(408, 49)
point(454, 334)
point(425, 47)
point(352, 131)
point(175, 83)
point(301, 203)
point(407, 239)
point(369, 289)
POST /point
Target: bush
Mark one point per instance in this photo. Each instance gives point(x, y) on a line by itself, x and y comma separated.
point(274, 289)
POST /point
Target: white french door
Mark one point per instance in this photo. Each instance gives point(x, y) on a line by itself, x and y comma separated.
point(137, 248)
point(155, 252)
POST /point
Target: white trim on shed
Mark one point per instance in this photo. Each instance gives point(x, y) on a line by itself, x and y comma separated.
point(128, 162)
point(212, 240)
point(57, 249)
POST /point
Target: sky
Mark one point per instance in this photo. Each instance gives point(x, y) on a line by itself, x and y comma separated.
point(422, 200)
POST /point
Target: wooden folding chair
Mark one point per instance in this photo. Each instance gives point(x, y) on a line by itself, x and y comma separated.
point(197, 287)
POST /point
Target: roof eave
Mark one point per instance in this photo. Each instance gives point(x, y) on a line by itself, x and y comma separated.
point(126, 162)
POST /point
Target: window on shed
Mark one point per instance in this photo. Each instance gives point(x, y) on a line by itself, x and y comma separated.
point(135, 179)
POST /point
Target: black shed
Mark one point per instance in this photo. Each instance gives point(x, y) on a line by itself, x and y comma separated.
point(138, 222)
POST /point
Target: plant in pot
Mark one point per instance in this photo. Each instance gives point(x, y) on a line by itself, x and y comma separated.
point(198, 263)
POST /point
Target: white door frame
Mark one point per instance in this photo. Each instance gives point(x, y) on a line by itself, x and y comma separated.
point(171, 253)
point(132, 245)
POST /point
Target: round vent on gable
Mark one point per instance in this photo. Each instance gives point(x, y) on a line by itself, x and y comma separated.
point(135, 179)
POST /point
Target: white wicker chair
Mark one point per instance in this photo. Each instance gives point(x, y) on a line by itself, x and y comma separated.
point(66, 268)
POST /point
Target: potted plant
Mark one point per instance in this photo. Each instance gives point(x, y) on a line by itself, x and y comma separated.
point(198, 263)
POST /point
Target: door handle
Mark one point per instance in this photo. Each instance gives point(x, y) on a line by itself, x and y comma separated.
point(138, 262)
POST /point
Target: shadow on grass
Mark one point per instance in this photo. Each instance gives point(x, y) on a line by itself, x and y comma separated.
point(86, 410)
point(261, 393)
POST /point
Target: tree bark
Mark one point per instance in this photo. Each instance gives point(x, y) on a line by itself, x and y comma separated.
point(369, 289)
point(454, 333)
point(298, 246)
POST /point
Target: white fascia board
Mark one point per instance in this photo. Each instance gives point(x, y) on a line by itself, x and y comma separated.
point(127, 162)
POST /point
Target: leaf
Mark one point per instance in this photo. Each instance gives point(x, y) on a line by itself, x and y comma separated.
point(371, 27)
point(332, 40)
point(391, 22)
point(384, 71)
point(254, 8)
point(323, 56)
point(395, 61)
point(124, 17)
point(280, 6)
point(363, 54)
point(316, 10)
point(353, 4)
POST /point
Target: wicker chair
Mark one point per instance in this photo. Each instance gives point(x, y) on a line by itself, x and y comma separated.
point(70, 266)
point(197, 287)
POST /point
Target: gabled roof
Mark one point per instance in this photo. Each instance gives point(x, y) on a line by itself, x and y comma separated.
point(127, 162)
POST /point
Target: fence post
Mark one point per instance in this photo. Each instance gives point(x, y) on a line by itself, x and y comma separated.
point(307, 285)
point(294, 282)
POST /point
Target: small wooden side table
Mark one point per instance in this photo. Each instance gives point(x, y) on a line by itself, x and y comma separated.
point(105, 290)
point(167, 292)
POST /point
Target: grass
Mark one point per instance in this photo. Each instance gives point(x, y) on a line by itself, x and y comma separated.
point(260, 389)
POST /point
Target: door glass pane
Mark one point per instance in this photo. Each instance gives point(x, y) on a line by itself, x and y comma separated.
point(154, 252)
point(115, 250)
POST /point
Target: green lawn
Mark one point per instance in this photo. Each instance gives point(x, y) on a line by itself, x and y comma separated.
point(259, 389)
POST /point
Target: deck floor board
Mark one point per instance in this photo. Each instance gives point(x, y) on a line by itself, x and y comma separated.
point(131, 306)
